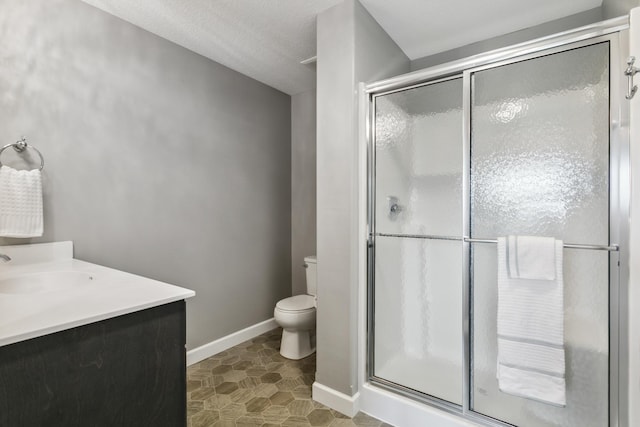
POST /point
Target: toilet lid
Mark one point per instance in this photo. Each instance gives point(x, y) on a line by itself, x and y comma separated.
point(297, 303)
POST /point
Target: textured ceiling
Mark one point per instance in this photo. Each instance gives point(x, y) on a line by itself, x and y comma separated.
point(267, 39)
point(263, 39)
point(422, 28)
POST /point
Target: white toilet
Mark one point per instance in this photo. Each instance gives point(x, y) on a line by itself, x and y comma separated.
point(297, 316)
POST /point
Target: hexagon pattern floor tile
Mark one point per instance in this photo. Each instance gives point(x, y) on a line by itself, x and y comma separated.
point(251, 385)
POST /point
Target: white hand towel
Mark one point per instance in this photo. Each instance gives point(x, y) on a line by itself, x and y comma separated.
point(531, 360)
point(531, 257)
point(20, 202)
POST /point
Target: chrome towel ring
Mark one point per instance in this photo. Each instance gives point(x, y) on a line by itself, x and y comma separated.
point(22, 145)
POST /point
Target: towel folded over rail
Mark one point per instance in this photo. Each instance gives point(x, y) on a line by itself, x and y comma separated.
point(20, 202)
point(531, 361)
point(531, 257)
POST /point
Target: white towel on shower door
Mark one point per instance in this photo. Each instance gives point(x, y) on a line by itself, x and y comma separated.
point(20, 202)
point(531, 361)
point(531, 257)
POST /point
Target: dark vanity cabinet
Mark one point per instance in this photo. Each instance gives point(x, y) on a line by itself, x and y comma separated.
point(125, 371)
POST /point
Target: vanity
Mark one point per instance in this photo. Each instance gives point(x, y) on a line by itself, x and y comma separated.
point(86, 345)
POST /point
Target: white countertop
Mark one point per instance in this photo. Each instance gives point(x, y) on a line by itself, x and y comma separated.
point(108, 294)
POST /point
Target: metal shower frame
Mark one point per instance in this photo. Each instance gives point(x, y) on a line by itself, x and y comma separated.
point(615, 32)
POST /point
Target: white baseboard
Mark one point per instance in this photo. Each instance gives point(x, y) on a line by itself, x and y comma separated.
point(341, 402)
point(224, 343)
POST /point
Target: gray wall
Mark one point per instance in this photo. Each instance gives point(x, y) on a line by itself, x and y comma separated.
point(351, 48)
point(609, 9)
point(614, 8)
point(552, 27)
point(303, 185)
point(159, 161)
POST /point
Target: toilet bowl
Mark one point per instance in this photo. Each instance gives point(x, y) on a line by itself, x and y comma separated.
point(297, 317)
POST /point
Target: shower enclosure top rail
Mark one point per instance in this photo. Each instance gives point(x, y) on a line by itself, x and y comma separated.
point(610, 248)
point(408, 80)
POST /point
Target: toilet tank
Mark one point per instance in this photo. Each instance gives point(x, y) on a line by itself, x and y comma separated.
point(311, 266)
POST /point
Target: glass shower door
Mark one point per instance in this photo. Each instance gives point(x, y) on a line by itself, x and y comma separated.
point(540, 166)
point(533, 144)
point(417, 315)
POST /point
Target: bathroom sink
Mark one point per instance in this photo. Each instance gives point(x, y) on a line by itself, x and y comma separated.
point(48, 281)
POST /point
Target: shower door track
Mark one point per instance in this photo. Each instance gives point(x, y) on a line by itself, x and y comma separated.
point(615, 32)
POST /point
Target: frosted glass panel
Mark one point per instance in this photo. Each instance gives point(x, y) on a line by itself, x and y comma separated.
point(540, 156)
point(586, 275)
point(419, 160)
point(418, 317)
point(540, 147)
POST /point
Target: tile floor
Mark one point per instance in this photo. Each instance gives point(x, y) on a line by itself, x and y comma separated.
point(252, 385)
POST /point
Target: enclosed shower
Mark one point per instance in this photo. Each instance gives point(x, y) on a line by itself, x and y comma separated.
point(529, 140)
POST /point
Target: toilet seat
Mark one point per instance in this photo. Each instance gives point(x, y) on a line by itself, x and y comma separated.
point(297, 304)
